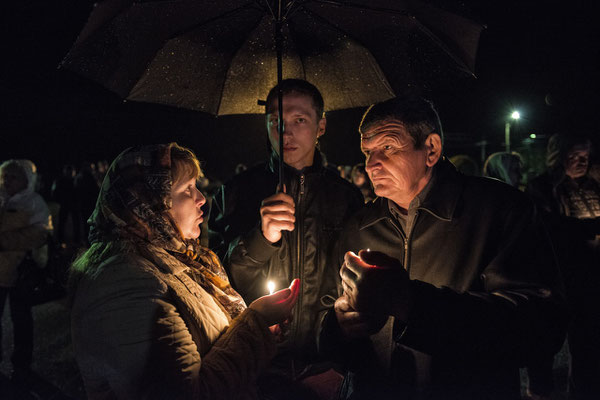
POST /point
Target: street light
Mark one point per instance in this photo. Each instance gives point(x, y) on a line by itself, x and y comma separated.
point(515, 115)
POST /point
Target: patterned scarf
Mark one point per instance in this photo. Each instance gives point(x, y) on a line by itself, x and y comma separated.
point(133, 205)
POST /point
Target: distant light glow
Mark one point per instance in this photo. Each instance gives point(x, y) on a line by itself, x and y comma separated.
point(271, 286)
point(515, 115)
point(533, 136)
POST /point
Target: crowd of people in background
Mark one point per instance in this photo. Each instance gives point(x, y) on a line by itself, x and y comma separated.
point(263, 232)
point(25, 229)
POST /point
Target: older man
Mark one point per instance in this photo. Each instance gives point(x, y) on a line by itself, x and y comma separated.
point(449, 284)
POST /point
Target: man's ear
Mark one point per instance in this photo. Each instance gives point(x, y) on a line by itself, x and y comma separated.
point(433, 145)
point(321, 128)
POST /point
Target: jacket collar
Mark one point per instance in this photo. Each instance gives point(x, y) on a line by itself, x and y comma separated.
point(443, 197)
point(317, 165)
point(440, 202)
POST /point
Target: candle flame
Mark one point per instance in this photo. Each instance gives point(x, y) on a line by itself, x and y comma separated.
point(271, 286)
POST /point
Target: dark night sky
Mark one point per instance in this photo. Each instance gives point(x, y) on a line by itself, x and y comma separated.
point(531, 53)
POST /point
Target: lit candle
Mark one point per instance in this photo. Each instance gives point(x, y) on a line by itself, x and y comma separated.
point(369, 265)
point(271, 286)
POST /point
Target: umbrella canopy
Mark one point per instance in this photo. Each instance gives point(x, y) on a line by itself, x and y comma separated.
point(219, 56)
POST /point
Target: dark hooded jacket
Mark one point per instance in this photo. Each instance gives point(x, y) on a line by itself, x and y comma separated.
point(324, 201)
point(486, 293)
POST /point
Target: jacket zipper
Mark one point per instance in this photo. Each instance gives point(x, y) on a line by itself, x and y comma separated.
point(300, 270)
point(300, 225)
point(407, 241)
point(405, 261)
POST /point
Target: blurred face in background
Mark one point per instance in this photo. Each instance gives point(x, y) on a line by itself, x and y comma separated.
point(359, 179)
point(12, 180)
point(577, 161)
point(514, 174)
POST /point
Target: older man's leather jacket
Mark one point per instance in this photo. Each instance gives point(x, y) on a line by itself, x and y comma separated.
point(486, 293)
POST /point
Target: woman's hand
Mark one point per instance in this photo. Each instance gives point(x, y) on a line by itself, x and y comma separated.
point(277, 307)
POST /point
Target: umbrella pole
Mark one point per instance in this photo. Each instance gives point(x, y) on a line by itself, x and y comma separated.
point(280, 127)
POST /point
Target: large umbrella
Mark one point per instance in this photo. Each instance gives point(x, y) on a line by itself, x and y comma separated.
point(221, 56)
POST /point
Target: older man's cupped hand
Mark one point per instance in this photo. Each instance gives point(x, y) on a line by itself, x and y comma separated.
point(376, 284)
point(356, 324)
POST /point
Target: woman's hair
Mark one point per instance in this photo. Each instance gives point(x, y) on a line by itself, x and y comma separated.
point(184, 165)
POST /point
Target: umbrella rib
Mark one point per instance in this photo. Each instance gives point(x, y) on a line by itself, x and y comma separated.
point(270, 8)
point(220, 16)
point(229, 67)
point(292, 34)
point(326, 21)
point(333, 25)
point(405, 13)
point(443, 46)
point(289, 7)
point(364, 7)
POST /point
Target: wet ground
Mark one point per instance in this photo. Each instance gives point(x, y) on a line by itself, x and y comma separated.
point(55, 373)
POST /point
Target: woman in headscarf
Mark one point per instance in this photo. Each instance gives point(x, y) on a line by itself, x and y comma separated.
point(153, 314)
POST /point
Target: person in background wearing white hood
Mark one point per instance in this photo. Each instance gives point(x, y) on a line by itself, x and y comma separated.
point(25, 224)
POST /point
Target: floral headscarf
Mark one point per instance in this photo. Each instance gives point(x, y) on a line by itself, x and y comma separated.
point(133, 205)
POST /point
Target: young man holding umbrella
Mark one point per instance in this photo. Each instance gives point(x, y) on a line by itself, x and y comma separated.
point(276, 236)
